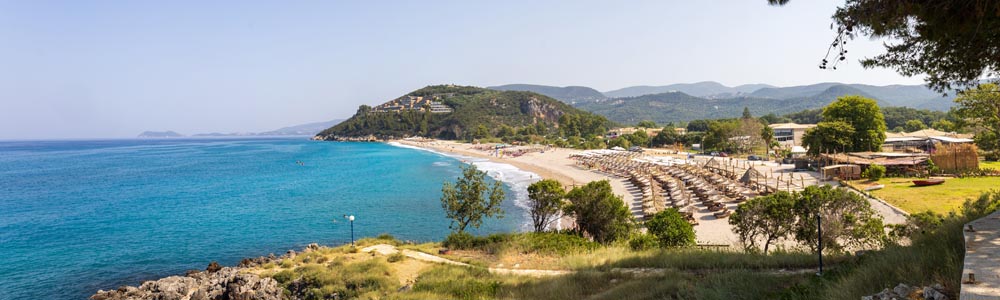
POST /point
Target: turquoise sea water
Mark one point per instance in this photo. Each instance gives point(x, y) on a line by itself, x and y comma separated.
point(78, 216)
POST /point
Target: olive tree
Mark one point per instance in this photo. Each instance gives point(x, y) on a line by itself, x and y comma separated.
point(470, 199)
point(546, 201)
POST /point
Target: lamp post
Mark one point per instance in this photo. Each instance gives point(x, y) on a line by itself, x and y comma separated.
point(819, 238)
point(351, 218)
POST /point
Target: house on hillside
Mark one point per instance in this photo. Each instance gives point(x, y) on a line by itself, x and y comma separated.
point(789, 135)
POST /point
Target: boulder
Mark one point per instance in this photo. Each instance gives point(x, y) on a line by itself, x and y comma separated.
point(223, 284)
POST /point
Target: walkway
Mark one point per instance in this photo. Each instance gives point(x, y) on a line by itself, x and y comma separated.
point(982, 258)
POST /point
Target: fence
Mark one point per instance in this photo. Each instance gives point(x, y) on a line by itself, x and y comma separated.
point(955, 158)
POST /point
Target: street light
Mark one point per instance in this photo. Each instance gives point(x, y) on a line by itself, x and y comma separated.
point(351, 218)
point(819, 237)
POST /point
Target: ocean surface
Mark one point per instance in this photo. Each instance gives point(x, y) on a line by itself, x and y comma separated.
point(78, 216)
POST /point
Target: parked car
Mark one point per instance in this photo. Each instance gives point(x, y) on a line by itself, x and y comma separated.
point(754, 158)
point(723, 154)
point(715, 153)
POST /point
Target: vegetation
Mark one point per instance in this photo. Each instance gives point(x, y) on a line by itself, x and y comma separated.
point(980, 107)
point(943, 198)
point(864, 116)
point(764, 220)
point(478, 114)
point(833, 136)
point(847, 220)
point(470, 199)
point(599, 212)
point(546, 202)
point(874, 172)
point(923, 35)
point(671, 229)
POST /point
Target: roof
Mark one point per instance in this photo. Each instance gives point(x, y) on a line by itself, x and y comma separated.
point(927, 133)
point(791, 126)
point(951, 139)
point(798, 149)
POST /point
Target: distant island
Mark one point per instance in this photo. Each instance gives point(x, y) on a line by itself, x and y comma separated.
point(307, 129)
point(159, 134)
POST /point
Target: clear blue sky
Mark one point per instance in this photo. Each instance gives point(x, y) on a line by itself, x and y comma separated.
point(86, 69)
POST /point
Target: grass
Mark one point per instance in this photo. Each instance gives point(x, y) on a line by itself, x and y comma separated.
point(943, 198)
point(989, 165)
point(935, 255)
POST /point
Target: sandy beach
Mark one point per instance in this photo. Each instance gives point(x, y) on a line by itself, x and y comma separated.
point(555, 163)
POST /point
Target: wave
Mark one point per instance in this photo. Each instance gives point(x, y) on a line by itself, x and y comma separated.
point(516, 179)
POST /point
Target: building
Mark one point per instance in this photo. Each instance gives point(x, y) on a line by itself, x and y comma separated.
point(789, 135)
point(416, 103)
point(921, 140)
point(616, 132)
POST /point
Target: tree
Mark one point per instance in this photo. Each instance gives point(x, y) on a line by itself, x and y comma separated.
point(914, 125)
point(671, 229)
point(981, 107)
point(646, 124)
point(765, 219)
point(471, 199)
point(767, 135)
point(944, 125)
point(953, 42)
point(864, 116)
point(665, 137)
point(546, 202)
point(718, 135)
point(639, 138)
point(828, 137)
point(698, 126)
point(874, 172)
point(599, 212)
point(746, 113)
point(848, 220)
point(620, 141)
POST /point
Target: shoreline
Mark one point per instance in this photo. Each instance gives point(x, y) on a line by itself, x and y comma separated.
point(551, 164)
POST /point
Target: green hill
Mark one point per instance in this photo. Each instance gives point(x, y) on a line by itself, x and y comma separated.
point(569, 94)
point(476, 113)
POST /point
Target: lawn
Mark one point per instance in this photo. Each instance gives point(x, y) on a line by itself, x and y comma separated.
point(938, 198)
point(990, 165)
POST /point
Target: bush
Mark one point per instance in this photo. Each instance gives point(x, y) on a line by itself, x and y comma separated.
point(396, 257)
point(641, 242)
point(874, 172)
point(670, 229)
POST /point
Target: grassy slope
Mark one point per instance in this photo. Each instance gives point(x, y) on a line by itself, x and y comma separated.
point(938, 198)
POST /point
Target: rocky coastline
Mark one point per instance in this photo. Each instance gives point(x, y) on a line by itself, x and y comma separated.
point(213, 283)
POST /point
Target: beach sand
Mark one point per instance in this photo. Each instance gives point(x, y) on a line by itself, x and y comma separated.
point(556, 164)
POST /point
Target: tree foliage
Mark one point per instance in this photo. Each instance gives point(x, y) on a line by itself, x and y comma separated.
point(671, 229)
point(847, 219)
point(980, 107)
point(546, 202)
point(874, 172)
point(764, 220)
point(599, 212)
point(953, 42)
point(826, 137)
point(646, 124)
point(470, 199)
point(864, 116)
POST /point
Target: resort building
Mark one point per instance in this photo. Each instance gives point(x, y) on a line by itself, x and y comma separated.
point(416, 103)
point(922, 140)
point(789, 135)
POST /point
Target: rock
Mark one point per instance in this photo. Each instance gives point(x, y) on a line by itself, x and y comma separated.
point(290, 254)
point(931, 293)
point(224, 283)
point(311, 247)
point(903, 290)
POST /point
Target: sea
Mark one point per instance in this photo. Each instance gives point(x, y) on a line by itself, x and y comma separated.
point(77, 216)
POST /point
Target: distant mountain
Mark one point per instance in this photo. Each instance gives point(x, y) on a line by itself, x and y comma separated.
point(699, 89)
point(159, 134)
point(304, 129)
point(569, 94)
point(461, 112)
point(914, 96)
point(679, 107)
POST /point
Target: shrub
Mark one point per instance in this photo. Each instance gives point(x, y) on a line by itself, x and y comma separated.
point(396, 257)
point(670, 229)
point(641, 242)
point(352, 249)
point(874, 172)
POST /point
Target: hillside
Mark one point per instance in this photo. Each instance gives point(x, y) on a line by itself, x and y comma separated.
point(159, 134)
point(679, 107)
point(303, 129)
point(569, 94)
point(477, 113)
point(700, 89)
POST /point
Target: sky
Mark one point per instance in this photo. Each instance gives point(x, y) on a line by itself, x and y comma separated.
point(112, 69)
